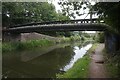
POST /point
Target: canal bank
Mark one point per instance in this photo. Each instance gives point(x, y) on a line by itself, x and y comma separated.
point(31, 44)
point(35, 62)
point(81, 67)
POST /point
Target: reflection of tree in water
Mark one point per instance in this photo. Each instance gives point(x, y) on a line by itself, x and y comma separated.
point(46, 65)
point(50, 63)
point(65, 56)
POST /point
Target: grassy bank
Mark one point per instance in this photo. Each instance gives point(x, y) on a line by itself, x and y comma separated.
point(81, 68)
point(10, 46)
point(69, 39)
point(113, 64)
point(0, 46)
point(14, 46)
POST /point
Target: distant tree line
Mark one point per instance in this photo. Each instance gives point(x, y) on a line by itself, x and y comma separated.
point(14, 13)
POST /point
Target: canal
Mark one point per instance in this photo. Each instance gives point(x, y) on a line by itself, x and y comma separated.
point(43, 62)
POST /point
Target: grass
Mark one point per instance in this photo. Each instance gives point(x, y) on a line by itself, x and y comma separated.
point(69, 39)
point(93, 48)
point(14, 46)
point(81, 68)
point(10, 46)
point(0, 46)
point(113, 64)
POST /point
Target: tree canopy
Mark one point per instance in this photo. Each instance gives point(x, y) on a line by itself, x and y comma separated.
point(74, 8)
point(14, 13)
point(108, 11)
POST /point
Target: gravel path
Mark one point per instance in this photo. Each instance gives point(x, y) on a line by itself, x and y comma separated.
point(97, 68)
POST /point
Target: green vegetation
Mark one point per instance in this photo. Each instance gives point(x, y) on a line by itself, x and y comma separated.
point(80, 68)
point(73, 7)
point(70, 39)
point(113, 64)
point(6, 47)
point(29, 12)
point(93, 48)
point(26, 12)
point(12, 46)
point(109, 12)
point(99, 37)
point(0, 46)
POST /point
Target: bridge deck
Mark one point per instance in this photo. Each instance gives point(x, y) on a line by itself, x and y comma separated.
point(67, 25)
point(60, 27)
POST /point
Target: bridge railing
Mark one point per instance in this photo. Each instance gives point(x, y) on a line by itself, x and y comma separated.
point(95, 20)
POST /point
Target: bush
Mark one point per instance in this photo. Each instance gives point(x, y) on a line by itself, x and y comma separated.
point(100, 38)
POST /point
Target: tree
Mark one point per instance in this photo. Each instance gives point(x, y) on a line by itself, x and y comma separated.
point(72, 9)
point(27, 12)
point(109, 11)
point(100, 37)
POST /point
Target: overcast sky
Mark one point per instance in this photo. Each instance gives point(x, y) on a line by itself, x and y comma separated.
point(58, 8)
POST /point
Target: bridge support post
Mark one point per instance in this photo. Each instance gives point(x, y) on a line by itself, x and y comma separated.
point(112, 42)
point(11, 37)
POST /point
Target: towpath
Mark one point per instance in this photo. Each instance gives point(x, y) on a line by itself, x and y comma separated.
point(97, 67)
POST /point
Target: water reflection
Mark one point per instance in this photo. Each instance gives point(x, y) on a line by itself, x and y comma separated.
point(43, 62)
point(79, 53)
point(28, 55)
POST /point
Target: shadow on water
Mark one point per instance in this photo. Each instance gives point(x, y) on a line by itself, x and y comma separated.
point(43, 62)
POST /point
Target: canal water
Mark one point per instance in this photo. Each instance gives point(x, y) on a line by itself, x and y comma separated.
point(43, 62)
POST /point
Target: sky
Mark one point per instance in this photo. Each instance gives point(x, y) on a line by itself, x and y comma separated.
point(58, 8)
